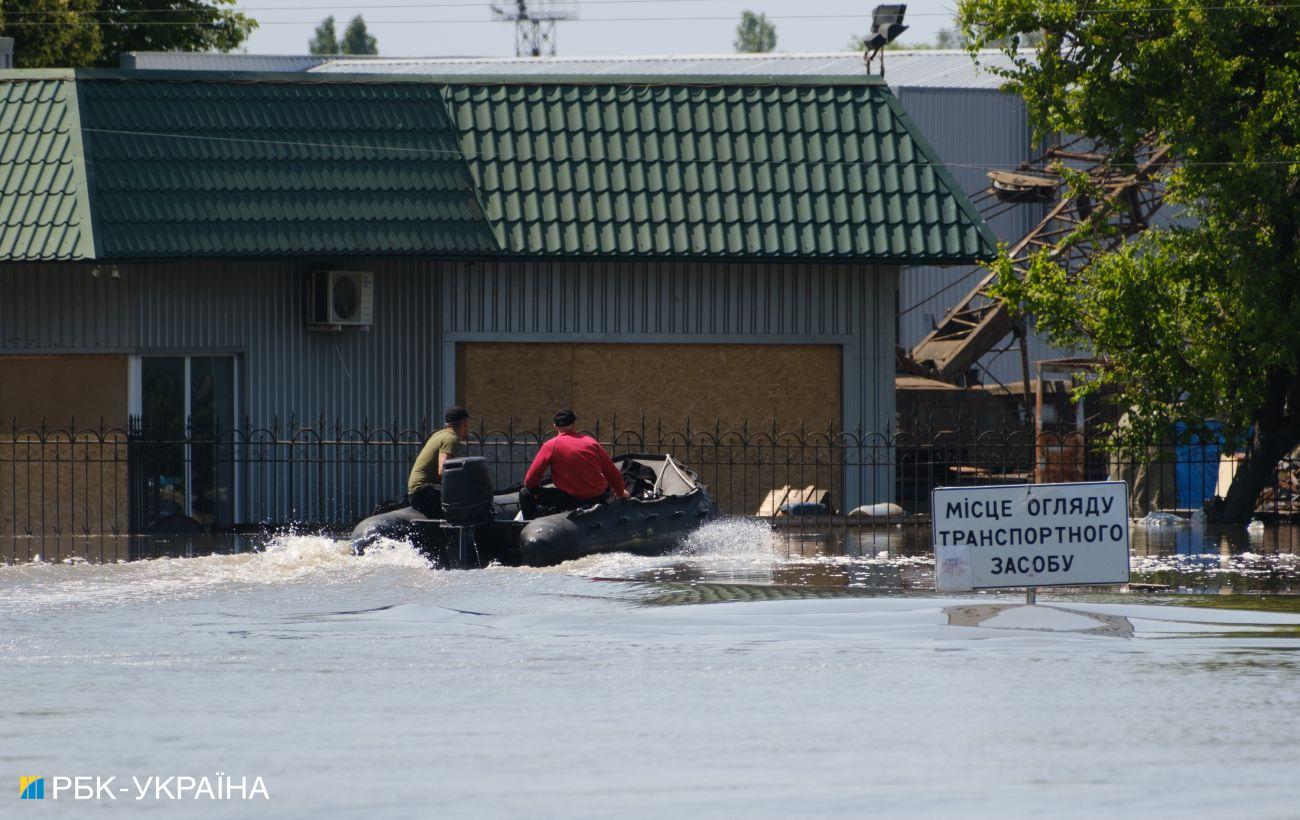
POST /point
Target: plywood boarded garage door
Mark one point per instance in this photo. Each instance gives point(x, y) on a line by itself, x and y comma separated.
point(62, 483)
point(707, 383)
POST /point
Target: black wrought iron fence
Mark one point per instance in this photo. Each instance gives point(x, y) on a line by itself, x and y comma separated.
point(79, 481)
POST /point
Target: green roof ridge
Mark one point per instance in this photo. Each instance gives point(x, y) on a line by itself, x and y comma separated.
point(963, 201)
point(85, 176)
point(46, 202)
point(504, 78)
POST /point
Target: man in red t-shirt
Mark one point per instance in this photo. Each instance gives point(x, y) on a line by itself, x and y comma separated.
point(583, 473)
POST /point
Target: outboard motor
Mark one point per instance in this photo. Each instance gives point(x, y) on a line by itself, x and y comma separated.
point(466, 491)
point(466, 503)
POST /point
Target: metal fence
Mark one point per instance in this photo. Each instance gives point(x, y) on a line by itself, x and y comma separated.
point(79, 481)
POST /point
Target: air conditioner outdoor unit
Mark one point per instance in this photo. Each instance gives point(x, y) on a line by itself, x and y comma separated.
point(341, 298)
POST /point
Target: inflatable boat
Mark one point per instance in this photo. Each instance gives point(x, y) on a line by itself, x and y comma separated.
point(667, 501)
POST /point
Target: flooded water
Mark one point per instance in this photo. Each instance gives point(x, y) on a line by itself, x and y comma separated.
point(753, 673)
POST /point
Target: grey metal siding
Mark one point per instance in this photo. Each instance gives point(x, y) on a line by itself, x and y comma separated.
point(972, 131)
point(683, 302)
point(385, 373)
point(63, 308)
point(742, 303)
point(253, 309)
point(402, 370)
point(386, 376)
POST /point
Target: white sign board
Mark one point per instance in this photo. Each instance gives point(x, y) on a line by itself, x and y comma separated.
point(1030, 535)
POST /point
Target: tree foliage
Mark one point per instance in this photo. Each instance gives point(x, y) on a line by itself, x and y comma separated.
point(755, 34)
point(54, 33)
point(356, 40)
point(325, 39)
point(1197, 319)
point(51, 33)
point(199, 25)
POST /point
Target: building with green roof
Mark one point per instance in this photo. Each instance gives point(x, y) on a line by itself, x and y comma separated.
point(224, 247)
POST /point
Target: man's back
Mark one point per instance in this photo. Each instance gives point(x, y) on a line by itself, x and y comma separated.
point(425, 469)
point(579, 466)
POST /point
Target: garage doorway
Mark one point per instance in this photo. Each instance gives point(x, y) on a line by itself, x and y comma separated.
point(708, 384)
point(63, 444)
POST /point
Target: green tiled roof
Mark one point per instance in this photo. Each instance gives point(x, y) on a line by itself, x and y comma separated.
point(701, 169)
point(185, 168)
point(204, 165)
point(43, 197)
point(194, 164)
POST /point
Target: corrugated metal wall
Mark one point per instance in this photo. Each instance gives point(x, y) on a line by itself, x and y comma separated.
point(254, 309)
point(402, 370)
point(705, 302)
point(63, 308)
point(972, 130)
point(683, 302)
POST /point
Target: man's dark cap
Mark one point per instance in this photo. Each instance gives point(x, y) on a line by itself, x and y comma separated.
point(455, 413)
point(563, 418)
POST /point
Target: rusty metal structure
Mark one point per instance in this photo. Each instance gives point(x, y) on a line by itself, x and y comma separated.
point(1127, 196)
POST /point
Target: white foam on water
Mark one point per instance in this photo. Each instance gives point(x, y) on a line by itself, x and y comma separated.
point(1213, 563)
point(726, 542)
point(285, 559)
point(1157, 520)
point(733, 538)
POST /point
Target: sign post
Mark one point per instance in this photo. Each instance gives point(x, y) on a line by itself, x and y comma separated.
point(1030, 535)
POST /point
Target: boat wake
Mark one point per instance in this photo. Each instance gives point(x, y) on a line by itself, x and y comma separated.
point(732, 539)
point(286, 559)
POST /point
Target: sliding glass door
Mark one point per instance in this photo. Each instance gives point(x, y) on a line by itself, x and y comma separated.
point(185, 464)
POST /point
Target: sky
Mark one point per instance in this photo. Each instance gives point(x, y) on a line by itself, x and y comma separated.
point(419, 28)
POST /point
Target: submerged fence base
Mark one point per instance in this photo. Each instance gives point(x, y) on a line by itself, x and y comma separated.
point(73, 482)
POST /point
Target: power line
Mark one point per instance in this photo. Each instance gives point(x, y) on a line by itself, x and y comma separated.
point(465, 20)
point(461, 20)
point(941, 291)
point(327, 7)
point(480, 4)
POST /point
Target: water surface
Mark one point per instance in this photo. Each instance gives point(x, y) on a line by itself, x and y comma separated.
point(749, 674)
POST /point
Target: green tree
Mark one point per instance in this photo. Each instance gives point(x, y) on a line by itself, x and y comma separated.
point(52, 33)
point(1197, 320)
point(194, 25)
point(755, 34)
point(356, 40)
point(324, 41)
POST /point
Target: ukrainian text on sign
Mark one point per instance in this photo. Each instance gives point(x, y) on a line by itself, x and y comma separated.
point(1030, 535)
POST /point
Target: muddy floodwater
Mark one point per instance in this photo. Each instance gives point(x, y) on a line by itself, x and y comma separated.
point(753, 673)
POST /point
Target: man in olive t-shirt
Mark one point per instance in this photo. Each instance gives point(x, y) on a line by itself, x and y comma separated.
point(424, 487)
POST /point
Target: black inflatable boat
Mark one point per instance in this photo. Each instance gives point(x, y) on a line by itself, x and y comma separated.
point(479, 527)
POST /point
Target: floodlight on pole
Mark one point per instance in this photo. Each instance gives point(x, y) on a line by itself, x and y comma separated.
point(886, 25)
